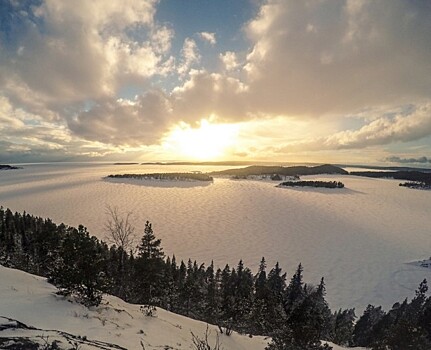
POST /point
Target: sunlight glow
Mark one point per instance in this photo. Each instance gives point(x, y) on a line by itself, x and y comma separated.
point(209, 141)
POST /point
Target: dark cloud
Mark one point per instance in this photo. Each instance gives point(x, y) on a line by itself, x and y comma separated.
point(123, 122)
point(396, 159)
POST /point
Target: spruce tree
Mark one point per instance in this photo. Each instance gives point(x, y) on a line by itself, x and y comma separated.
point(295, 291)
point(79, 268)
point(260, 312)
point(149, 268)
point(343, 327)
point(363, 331)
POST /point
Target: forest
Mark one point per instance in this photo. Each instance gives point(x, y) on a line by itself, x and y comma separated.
point(281, 170)
point(267, 302)
point(321, 184)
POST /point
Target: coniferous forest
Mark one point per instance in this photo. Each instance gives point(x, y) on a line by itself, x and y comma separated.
point(265, 302)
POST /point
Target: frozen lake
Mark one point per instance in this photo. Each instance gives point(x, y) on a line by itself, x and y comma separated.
point(359, 238)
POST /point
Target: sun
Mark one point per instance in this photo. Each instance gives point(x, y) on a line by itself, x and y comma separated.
point(208, 142)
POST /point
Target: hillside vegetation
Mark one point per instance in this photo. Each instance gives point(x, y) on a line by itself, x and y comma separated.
point(295, 314)
point(280, 170)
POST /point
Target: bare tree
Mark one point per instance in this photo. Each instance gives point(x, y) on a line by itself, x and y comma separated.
point(119, 230)
point(204, 344)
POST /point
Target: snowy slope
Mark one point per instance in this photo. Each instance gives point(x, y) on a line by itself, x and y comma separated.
point(32, 301)
point(29, 307)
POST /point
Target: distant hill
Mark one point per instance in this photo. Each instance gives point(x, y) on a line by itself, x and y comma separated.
point(398, 175)
point(280, 170)
point(394, 168)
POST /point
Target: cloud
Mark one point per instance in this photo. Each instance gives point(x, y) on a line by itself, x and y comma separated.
point(67, 53)
point(65, 66)
point(137, 122)
point(396, 159)
point(210, 94)
point(406, 126)
point(327, 57)
point(229, 60)
point(190, 55)
point(208, 37)
point(401, 128)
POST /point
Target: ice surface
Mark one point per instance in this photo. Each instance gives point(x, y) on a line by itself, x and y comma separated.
point(359, 238)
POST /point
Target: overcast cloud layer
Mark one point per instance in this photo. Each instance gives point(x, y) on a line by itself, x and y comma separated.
point(358, 70)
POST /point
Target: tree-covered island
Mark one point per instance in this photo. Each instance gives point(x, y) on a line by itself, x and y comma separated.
point(165, 176)
point(8, 167)
point(320, 184)
point(417, 185)
point(259, 170)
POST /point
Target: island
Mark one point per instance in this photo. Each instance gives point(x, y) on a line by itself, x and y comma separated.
point(195, 176)
point(319, 184)
point(417, 185)
point(8, 167)
point(281, 171)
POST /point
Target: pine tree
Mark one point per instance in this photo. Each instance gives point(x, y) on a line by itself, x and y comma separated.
point(213, 300)
point(227, 300)
point(276, 283)
point(79, 268)
point(149, 268)
point(343, 327)
point(260, 316)
point(295, 291)
point(406, 332)
point(363, 331)
point(242, 298)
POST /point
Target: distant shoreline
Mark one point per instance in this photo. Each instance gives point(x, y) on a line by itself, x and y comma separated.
point(8, 167)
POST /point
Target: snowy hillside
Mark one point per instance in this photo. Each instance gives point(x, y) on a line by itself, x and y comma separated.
point(32, 301)
point(30, 308)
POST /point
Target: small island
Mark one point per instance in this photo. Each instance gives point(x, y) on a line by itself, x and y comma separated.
point(417, 185)
point(317, 184)
point(195, 176)
point(8, 167)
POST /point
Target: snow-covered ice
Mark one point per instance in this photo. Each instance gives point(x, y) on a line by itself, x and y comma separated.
point(359, 237)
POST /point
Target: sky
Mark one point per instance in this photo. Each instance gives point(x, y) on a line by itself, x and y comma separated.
point(341, 81)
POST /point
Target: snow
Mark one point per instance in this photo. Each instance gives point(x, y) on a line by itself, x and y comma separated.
point(32, 301)
point(359, 237)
